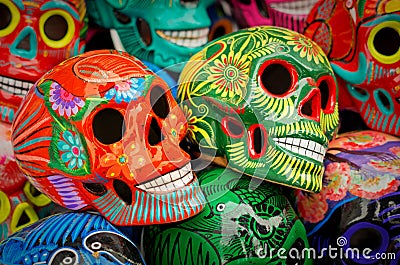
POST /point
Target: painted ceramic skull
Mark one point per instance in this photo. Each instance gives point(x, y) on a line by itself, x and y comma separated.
point(70, 238)
point(289, 14)
point(161, 32)
point(358, 206)
point(20, 203)
point(34, 37)
point(368, 61)
point(243, 223)
point(101, 131)
point(265, 99)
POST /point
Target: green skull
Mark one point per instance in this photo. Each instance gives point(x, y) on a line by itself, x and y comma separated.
point(243, 222)
point(263, 99)
point(161, 32)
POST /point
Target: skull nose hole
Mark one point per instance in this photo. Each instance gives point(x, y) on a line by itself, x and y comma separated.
point(108, 126)
point(257, 140)
point(327, 89)
point(144, 31)
point(232, 127)
point(310, 107)
point(383, 101)
point(95, 188)
point(155, 135)
point(24, 43)
point(159, 102)
point(123, 191)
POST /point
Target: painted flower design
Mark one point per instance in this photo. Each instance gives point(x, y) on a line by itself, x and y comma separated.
point(311, 207)
point(367, 139)
point(63, 101)
point(126, 90)
point(117, 162)
point(338, 179)
point(306, 47)
point(395, 150)
point(374, 187)
point(389, 166)
point(71, 149)
point(229, 74)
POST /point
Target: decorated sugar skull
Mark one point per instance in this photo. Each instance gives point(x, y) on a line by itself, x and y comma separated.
point(289, 14)
point(70, 238)
point(368, 61)
point(100, 131)
point(358, 206)
point(34, 37)
point(161, 32)
point(20, 203)
point(243, 222)
point(263, 100)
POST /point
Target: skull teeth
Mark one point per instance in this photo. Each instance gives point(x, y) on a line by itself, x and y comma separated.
point(299, 7)
point(303, 147)
point(169, 182)
point(15, 87)
point(186, 38)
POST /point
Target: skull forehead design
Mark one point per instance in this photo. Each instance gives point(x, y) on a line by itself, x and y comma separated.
point(241, 222)
point(161, 32)
point(369, 63)
point(265, 98)
point(360, 196)
point(34, 37)
point(289, 14)
point(105, 128)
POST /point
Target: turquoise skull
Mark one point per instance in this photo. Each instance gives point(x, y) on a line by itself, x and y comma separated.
point(164, 33)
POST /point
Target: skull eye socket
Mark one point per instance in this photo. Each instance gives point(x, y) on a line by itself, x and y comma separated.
point(364, 235)
point(144, 31)
point(9, 18)
point(155, 135)
point(232, 127)
point(122, 18)
point(57, 28)
point(384, 42)
point(327, 88)
point(159, 102)
point(277, 78)
point(108, 126)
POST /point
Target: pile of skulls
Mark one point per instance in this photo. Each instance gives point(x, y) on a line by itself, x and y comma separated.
point(199, 132)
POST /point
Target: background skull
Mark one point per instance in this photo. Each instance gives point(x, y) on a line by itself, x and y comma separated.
point(242, 223)
point(34, 37)
point(358, 206)
point(368, 61)
point(264, 98)
point(289, 14)
point(101, 131)
point(161, 32)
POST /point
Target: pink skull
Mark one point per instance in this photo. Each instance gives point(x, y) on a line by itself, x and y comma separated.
point(34, 37)
point(289, 14)
point(100, 131)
